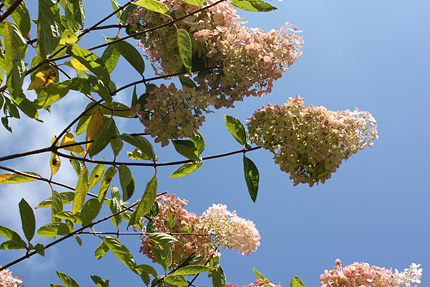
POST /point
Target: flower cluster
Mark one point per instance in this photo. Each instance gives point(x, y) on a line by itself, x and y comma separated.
point(187, 244)
point(205, 235)
point(362, 274)
point(258, 283)
point(171, 113)
point(7, 279)
point(310, 143)
point(229, 230)
point(245, 62)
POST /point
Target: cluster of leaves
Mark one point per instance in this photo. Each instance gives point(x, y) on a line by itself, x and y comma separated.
point(60, 25)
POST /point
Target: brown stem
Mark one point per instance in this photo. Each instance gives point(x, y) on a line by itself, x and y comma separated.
point(154, 164)
point(10, 10)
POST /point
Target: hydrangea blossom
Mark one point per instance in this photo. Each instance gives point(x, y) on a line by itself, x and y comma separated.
point(7, 279)
point(362, 274)
point(229, 230)
point(247, 62)
point(187, 244)
point(310, 143)
point(217, 228)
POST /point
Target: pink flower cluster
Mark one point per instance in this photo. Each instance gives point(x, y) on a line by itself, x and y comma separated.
point(310, 143)
point(7, 279)
point(258, 283)
point(217, 228)
point(247, 61)
point(362, 274)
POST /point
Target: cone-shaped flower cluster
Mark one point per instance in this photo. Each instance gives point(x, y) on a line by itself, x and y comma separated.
point(7, 279)
point(246, 63)
point(362, 274)
point(217, 228)
point(310, 143)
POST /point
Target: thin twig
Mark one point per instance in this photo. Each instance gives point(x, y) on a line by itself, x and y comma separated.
point(153, 164)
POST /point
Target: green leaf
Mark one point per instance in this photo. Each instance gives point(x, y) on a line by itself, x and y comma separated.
point(163, 255)
point(11, 245)
point(127, 182)
point(115, 207)
point(154, 5)
point(237, 130)
point(101, 250)
point(40, 249)
point(195, 2)
point(176, 280)
point(120, 251)
point(100, 88)
point(258, 274)
point(116, 6)
point(7, 178)
point(185, 49)
point(12, 235)
point(296, 282)
point(103, 137)
point(96, 174)
point(116, 143)
point(186, 169)
point(110, 58)
point(187, 82)
point(191, 260)
point(66, 197)
point(120, 110)
point(252, 177)
point(90, 61)
point(137, 154)
point(162, 238)
point(146, 201)
point(20, 16)
point(99, 281)
point(81, 191)
point(57, 205)
point(90, 210)
point(48, 27)
point(198, 141)
point(252, 5)
point(187, 149)
point(141, 143)
point(28, 220)
point(147, 269)
point(77, 6)
point(67, 280)
point(192, 269)
point(218, 277)
point(130, 53)
point(15, 50)
point(68, 215)
point(104, 185)
point(54, 229)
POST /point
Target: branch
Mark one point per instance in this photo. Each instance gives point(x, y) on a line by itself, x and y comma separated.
point(28, 255)
point(154, 164)
point(10, 10)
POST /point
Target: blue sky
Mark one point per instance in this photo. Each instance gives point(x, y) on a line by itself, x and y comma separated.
point(367, 54)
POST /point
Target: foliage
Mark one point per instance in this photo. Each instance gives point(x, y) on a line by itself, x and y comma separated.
point(218, 61)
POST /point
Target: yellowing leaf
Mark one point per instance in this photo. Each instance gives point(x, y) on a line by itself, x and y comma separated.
point(69, 138)
point(43, 79)
point(67, 37)
point(5, 176)
point(76, 65)
point(94, 126)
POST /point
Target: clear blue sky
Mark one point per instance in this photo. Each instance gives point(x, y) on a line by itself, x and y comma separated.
point(367, 54)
